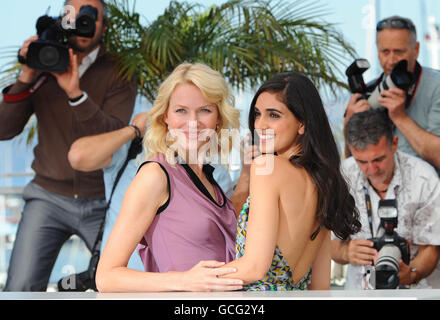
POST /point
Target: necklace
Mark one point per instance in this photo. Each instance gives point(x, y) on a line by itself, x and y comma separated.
point(374, 188)
point(379, 191)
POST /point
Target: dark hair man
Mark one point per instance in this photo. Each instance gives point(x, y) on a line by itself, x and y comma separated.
point(378, 170)
point(60, 201)
point(416, 113)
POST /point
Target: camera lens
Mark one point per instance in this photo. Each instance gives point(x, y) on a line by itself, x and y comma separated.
point(84, 23)
point(49, 56)
point(402, 81)
point(387, 267)
point(386, 278)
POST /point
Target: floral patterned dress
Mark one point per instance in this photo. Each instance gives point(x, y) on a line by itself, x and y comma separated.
point(279, 276)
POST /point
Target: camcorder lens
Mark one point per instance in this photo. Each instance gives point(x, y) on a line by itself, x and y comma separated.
point(85, 22)
point(49, 56)
point(402, 81)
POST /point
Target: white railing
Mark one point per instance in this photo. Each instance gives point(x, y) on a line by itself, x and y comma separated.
point(11, 202)
point(73, 256)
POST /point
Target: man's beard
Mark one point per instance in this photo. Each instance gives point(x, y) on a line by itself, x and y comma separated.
point(74, 44)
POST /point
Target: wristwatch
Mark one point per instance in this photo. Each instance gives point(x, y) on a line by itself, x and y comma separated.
point(78, 100)
point(417, 279)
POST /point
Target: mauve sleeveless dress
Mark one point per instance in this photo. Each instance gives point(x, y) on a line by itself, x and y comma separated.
point(191, 226)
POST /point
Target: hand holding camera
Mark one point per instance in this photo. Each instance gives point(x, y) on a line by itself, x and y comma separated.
point(389, 92)
point(356, 104)
point(69, 80)
point(50, 50)
point(405, 274)
point(27, 73)
point(50, 53)
point(394, 100)
point(391, 246)
point(360, 252)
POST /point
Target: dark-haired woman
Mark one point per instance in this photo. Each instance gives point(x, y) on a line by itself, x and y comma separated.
point(297, 194)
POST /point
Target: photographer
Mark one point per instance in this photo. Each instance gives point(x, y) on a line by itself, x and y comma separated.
point(86, 99)
point(378, 170)
point(415, 113)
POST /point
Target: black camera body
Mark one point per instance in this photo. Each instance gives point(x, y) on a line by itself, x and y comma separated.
point(399, 77)
point(355, 78)
point(50, 53)
point(86, 280)
point(391, 247)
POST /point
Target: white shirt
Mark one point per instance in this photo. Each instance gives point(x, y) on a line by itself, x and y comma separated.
point(86, 62)
point(416, 186)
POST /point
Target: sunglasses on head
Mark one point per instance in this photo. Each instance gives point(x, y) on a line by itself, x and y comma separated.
point(396, 23)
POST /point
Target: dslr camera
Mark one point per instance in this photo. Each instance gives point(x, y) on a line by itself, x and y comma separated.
point(50, 53)
point(391, 247)
point(84, 281)
point(399, 77)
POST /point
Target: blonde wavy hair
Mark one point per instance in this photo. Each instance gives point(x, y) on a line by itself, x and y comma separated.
point(214, 89)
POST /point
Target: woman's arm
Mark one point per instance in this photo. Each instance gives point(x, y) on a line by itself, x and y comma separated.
point(95, 152)
point(262, 230)
point(321, 267)
point(241, 191)
point(144, 196)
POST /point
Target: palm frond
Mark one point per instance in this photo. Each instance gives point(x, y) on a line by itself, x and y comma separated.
point(247, 40)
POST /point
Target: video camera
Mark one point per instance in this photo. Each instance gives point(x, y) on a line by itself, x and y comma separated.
point(399, 77)
point(391, 247)
point(50, 53)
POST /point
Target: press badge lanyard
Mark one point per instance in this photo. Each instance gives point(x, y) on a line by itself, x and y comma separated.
point(413, 89)
point(369, 211)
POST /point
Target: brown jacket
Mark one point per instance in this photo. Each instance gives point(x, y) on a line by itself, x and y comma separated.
point(109, 107)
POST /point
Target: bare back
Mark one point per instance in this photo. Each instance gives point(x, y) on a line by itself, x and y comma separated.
point(297, 222)
point(274, 246)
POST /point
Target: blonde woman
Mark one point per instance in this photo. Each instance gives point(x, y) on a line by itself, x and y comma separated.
point(174, 209)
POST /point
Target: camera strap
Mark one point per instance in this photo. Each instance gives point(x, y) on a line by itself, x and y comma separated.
point(369, 211)
point(133, 151)
point(24, 95)
point(413, 88)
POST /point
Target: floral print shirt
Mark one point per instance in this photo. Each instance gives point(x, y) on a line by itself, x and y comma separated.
point(416, 187)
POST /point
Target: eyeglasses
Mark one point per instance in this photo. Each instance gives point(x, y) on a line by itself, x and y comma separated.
point(396, 23)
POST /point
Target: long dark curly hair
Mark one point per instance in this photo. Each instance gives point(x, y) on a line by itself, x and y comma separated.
point(336, 209)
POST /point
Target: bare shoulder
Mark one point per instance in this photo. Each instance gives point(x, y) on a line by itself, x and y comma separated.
point(275, 169)
point(148, 190)
point(152, 176)
point(273, 175)
point(150, 167)
point(269, 163)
